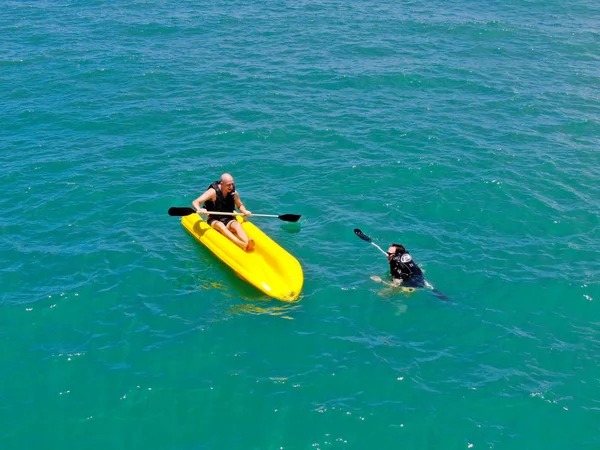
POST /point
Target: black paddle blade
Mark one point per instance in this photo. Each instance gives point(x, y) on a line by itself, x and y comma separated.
point(437, 293)
point(440, 295)
point(289, 217)
point(362, 235)
point(180, 211)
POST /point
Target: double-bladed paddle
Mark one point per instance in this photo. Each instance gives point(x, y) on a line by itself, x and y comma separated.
point(180, 211)
point(366, 238)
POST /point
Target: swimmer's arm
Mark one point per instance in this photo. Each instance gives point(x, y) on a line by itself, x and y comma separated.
point(395, 281)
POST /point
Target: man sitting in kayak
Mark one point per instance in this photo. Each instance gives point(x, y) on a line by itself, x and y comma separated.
point(221, 196)
point(403, 269)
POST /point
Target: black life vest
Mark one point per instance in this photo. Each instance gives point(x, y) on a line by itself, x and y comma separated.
point(221, 203)
point(402, 266)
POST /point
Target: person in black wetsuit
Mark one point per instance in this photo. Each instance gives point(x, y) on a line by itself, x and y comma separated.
point(403, 269)
point(221, 196)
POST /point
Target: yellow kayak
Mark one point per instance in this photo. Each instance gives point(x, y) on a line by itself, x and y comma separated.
point(269, 267)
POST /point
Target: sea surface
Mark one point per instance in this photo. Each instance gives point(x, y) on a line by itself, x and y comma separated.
point(468, 131)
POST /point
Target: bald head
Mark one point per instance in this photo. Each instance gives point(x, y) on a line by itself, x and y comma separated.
point(226, 178)
point(227, 184)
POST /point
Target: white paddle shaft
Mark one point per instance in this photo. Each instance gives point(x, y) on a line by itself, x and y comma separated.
point(219, 213)
point(380, 249)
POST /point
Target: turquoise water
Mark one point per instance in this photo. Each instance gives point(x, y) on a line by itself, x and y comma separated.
point(467, 131)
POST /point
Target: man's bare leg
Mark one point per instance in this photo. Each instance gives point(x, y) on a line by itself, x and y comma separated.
point(236, 227)
point(217, 225)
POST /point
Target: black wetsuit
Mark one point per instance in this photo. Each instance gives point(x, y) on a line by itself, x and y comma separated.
point(404, 268)
point(221, 204)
